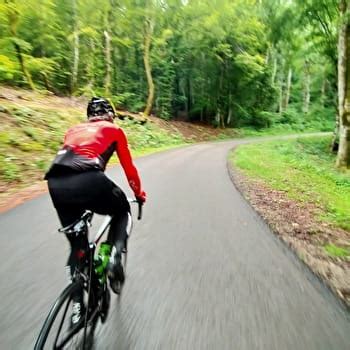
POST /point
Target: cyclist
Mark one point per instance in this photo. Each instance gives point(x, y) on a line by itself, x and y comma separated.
point(77, 182)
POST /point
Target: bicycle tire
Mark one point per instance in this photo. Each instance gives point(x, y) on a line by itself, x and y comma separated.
point(61, 303)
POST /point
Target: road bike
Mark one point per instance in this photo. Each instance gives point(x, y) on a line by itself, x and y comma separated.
point(58, 332)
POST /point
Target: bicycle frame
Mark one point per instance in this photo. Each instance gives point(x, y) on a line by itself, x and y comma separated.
point(81, 280)
point(108, 220)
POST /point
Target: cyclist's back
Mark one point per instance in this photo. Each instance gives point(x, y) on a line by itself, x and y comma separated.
point(89, 146)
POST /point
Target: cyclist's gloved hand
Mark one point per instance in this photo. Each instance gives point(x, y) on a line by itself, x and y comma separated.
point(141, 197)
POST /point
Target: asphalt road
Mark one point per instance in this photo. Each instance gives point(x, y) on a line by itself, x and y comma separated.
point(204, 271)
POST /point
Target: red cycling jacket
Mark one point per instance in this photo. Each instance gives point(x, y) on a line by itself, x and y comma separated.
point(89, 146)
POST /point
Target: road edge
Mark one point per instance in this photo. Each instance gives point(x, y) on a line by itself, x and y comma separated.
point(324, 282)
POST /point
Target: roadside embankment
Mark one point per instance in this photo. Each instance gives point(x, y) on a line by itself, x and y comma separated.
point(32, 129)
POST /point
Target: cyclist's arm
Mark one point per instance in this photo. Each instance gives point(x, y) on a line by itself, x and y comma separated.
point(130, 170)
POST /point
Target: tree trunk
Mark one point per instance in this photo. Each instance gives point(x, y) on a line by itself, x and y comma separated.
point(48, 86)
point(23, 67)
point(229, 116)
point(323, 91)
point(343, 158)
point(280, 97)
point(12, 15)
point(183, 91)
point(220, 102)
point(75, 49)
point(189, 93)
point(90, 67)
point(140, 70)
point(201, 99)
point(335, 138)
point(267, 57)
point(217, 117)
point(146, 60)
point(274, 71)
point(288, 87)
point(307, 80)
point(222, 121)
point(335, 141)
point(108, 58)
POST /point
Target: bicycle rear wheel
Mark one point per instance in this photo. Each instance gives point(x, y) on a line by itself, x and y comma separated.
point(58, 332)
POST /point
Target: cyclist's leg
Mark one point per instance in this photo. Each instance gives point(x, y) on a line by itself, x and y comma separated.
point(78, 244)
point(118, 232)
point(69, 206)
point(106, 198)
point(69, 209)
point(111, 200)
point(95, 191)
point(120, 209)
point(118, 235)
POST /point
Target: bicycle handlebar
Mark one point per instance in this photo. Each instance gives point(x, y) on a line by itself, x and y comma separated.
point(139, 214)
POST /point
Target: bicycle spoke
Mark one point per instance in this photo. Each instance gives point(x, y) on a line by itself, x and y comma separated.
point(70, 332)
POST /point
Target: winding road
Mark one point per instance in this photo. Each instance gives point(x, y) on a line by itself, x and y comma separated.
point(204, 271)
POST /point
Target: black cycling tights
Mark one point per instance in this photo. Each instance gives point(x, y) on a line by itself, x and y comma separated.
point(74, 193)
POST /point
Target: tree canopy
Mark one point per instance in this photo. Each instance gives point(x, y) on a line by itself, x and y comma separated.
point(225, 62)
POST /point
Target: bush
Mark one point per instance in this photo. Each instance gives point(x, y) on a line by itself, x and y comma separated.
point(243, 116)
point(8, 70)
point(318, 119)
point(41, 67)
point(8, 169)
point(122, 100)
point(264, 119)
point(321, 118)
point(291, 116)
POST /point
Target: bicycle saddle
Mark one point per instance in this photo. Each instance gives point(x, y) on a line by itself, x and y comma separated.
point(79, 225)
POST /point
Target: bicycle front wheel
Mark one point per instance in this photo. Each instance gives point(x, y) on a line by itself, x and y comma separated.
point(58, 331)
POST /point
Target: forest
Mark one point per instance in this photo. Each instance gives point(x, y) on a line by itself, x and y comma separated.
point(229, 63)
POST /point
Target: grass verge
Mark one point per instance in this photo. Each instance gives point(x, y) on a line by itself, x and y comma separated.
point(304, 169)
point(305, 200)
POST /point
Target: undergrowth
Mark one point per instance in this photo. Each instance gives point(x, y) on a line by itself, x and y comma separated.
point(31, 136)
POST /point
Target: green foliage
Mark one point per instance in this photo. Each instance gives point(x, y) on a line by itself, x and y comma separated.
point(148, 136)
point(41, 67)
point(264, 119)
point(42, 164)
point(9, 170)
point(4, 138)
point(209, 59)
point(337, 252)
point(253, 65)
point(8, 69)
point(31, 135)
point(305, 170)
point(24, 45)
point(129, 101)
point(32, 132)
point(318, 119)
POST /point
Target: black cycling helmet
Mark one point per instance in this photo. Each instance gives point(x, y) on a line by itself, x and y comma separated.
point(100, 108)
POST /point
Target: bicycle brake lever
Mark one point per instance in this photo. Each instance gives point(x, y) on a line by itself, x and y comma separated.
point(139, 216)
